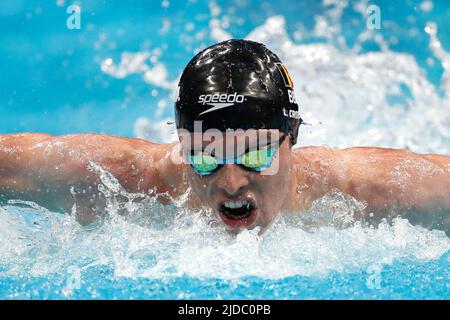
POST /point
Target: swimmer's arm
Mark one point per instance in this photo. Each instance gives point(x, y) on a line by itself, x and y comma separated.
point(394, 180)
point(61, 172)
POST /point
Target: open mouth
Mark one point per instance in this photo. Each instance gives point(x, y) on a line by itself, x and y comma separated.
point(238, 213)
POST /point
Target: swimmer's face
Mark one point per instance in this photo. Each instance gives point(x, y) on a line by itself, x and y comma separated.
point(257, 197)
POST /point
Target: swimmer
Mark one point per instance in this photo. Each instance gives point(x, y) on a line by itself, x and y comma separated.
point(237, 119)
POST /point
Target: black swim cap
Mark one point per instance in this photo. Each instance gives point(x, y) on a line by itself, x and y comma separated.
point(237, 84)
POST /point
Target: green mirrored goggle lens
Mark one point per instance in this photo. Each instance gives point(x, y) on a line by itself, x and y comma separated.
point(255, 160)
point(203, 163)
point(258, 158)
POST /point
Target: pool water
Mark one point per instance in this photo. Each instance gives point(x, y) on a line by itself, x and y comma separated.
point(388, 87)
point(49, 255)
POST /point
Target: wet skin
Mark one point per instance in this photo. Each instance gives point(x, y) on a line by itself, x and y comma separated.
point(55, 173)
point(268, 193)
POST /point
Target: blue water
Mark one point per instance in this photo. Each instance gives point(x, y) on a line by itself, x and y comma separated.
point(49, 71)
point(389, 88)
point(414, 283)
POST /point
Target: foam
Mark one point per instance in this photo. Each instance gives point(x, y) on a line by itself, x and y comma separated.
point(379, 98)
point(160, 242)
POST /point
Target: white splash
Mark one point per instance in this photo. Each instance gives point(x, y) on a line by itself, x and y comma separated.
point(163, 131)
point(142, 238)
point(351, 99)
point(38, 244)
point(129, 63)
point(381, 99)
point(154, 73)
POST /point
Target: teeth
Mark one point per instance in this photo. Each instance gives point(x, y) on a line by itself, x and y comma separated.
point(236, 204)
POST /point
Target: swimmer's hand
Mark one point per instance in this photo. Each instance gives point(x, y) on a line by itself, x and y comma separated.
point(54, 171)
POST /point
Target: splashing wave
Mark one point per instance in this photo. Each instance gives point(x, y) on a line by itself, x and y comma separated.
point(155, 241)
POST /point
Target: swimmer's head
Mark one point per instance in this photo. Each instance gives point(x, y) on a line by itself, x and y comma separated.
point(232, 88)
point(237, 84)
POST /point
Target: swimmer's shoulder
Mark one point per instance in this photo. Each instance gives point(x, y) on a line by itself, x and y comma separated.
point(360, 153)
point(314, 172)
point(144, 166)
point(138, 164)
point(316, 156)
point(343, 164)
point(156, 168)
point(344, 168)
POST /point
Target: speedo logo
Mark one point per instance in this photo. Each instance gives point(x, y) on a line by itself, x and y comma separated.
point(219, 101)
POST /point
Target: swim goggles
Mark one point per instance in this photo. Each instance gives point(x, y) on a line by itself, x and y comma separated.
point(255, 160)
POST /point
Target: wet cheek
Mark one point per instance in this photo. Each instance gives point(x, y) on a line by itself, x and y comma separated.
point(195, 184)
point(201, 188)
point(274, 191)
point(270, 194)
